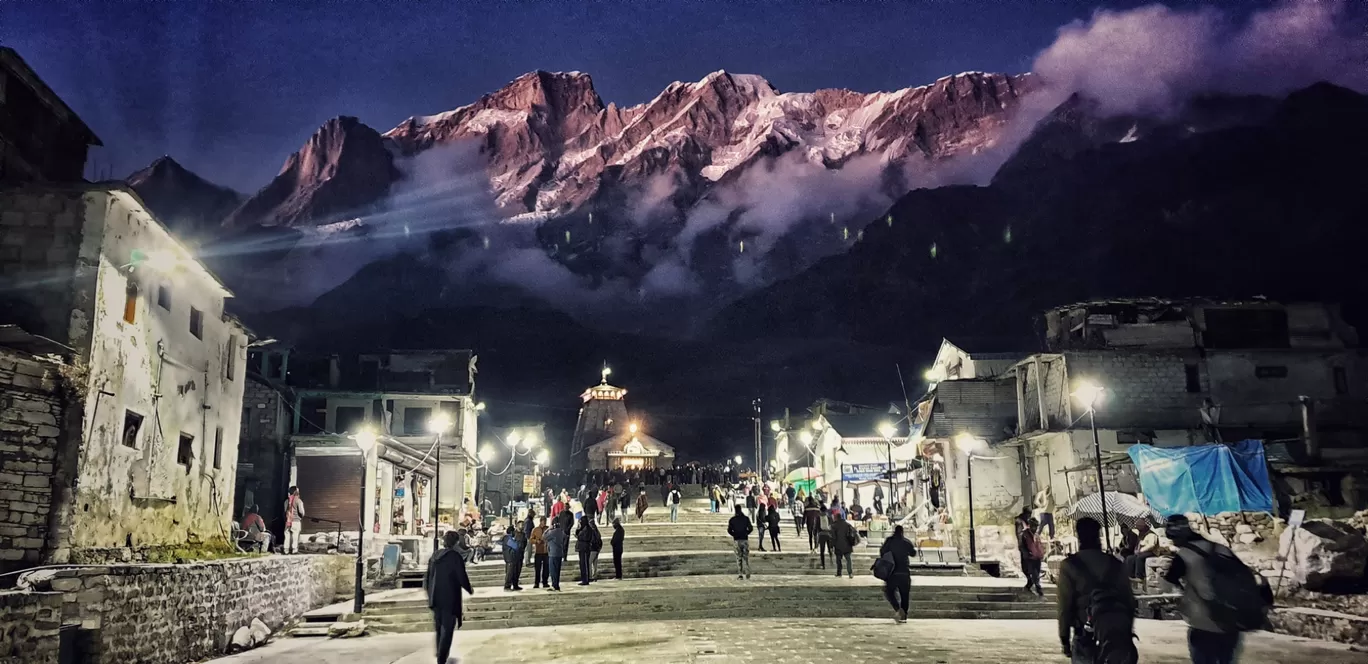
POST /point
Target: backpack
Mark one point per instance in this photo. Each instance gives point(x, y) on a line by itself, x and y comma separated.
point(1034, 548)
point(1109, 620)
point(883, 567)
point(1229, 590)
point(511, 541)
point(674, 497)
point(596, 540)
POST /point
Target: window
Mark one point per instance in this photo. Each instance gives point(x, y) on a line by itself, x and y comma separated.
point(164, 297)
point(230, 357)
point(1194, 380)
point(313, 414)
point(1341, 380)
point(132, 425)
point(197, 323)
point(185, 452)
point(350, 419)
point(131, 302)
point(218, 447)
point(1270, 372)
point(415, 421)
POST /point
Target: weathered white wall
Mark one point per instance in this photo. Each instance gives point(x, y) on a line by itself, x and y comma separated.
point(141, 494)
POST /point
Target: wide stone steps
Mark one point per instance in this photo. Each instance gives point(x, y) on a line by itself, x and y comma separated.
point(610, 601)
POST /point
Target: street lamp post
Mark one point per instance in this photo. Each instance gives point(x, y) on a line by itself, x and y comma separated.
point(1088, 394)
point(888, 430)
point(365, 441)
point(439, 424)
point(970, 445)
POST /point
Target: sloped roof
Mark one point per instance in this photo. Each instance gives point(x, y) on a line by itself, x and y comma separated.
point(616, 443)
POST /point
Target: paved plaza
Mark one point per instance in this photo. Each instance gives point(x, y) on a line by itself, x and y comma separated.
point(797, 641)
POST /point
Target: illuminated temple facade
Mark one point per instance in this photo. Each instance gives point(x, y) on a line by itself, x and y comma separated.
point(606, 437)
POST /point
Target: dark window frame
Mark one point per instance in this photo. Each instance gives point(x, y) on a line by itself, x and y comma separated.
point(196, 323)
point(218, 447)
point(185, 450)
point(1341, 378)
point(134, 420)
point(1193, 378)
point(164, 297)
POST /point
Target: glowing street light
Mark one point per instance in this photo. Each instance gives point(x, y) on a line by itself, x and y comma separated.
point(737, 459)
point(888, 430)
point(972, 446)
point(530, 441)
point(365, 439)
point(775, 426)
point(816, 425)
point(542, 458)
point(1089, 393)
point(513, 437)
point(633, 428)
point(439, 423)
point(487, 454)
point(806, 437)
point(479, 407)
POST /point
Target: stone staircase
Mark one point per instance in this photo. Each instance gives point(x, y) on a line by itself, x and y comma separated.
point(707, 597)
point(687, 570)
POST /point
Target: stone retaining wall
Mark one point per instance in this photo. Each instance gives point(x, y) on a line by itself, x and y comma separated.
point(29, 626)
point(31, 406)
point(170, 614)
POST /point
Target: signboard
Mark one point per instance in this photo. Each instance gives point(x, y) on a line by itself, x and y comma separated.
point(531, 484)
point(1295, 518)
point(863, 472)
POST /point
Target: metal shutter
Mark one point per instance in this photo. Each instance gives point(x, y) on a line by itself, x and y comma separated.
point(330, 487)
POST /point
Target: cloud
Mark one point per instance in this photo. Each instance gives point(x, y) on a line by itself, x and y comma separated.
point(1150, 59)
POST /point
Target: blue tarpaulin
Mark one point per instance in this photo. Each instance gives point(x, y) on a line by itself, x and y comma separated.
point(1207, 479)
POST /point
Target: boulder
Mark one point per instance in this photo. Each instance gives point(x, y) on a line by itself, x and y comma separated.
point(347, 630)
point(1325, 556)
point(242, 639)
point(259, 631)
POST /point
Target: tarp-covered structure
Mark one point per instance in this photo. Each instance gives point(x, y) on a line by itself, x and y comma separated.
point(1207, 479)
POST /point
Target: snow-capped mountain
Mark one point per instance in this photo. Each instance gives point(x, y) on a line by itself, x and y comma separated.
point(552, 145)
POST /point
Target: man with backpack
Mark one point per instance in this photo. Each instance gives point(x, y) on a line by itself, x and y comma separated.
point(1221, 596)
point(1096, 605)
point(897, 578)
point(673, 501)
point(843, 540)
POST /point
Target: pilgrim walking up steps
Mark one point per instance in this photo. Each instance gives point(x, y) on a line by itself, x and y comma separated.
point(739, 527)
point(446, 578)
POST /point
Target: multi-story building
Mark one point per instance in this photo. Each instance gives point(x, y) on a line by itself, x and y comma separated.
point(393, 398)
point(1171, 373)
point(151, 371)
point(41, 138)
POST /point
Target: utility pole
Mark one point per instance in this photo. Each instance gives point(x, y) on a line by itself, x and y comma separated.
point(759, 463)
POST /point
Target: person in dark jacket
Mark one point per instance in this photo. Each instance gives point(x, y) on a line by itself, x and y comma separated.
point(584, 542)
point(843, 539)
point(529, 524)
point(1211, 637)
point(566, 521)
point(513, 547)
point(752, 505)
point(773, 520)
point(595, 547)
point(739, 527)
point(446, 578)
point(900, 581)
point(1080, 575)
point(761, 522)
point(618, 536)
point(557, 541)
point(811, 514)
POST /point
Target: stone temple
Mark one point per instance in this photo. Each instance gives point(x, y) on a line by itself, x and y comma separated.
point(606, 436)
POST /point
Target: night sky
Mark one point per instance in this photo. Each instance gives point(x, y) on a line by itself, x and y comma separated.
point(230, 89)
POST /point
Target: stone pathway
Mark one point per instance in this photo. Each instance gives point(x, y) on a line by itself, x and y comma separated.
point(805, 641)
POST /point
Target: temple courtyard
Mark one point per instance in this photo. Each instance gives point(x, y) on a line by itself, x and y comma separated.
point(746, 640)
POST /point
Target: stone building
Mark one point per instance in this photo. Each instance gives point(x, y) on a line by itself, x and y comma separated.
point(849, 448)
point(607, 438)
point(1289, 375)
point(41, 138)
point(263, 469)
point(150, 362)
point(395, 395)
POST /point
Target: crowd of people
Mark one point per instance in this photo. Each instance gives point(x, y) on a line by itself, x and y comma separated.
point(690, 473)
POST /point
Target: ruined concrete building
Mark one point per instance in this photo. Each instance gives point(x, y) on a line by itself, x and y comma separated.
point(41, 138)
point(126, 369)
point(1172, 373)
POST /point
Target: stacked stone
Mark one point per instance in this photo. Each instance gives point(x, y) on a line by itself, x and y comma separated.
point(31, 407)
point(29, 626)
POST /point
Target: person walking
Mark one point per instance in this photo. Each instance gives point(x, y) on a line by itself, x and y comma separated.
point(1095, 601)
point(557, 541)
point(843, 539)
point(1221, 596)
point(898, 585)
point(294, 520)
point(618, 536)
point(739, 527)
point(797, 511)
point(513, 546)
point(752, 505)
point(790, 494)
point(584, 542)
point(529, 524)
point(446, 578)
point(811, 515)
point(761, 521)
point(773, 520)
point(878, 498)
point(642, 504)
point(1032, 556)
point(537, 545)
point(673, 501)
point(595, 547)
point(824, 538)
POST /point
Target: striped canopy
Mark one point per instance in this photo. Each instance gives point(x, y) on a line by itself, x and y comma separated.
point(1121, 508)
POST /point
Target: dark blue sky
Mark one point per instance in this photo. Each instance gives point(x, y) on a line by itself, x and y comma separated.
point(231, 88)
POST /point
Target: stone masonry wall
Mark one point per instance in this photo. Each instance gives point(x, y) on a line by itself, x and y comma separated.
point(1143, 388)
point(29, 626)
point(170, 614)
point(41, 233)
point(31, 405)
